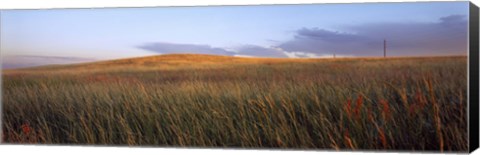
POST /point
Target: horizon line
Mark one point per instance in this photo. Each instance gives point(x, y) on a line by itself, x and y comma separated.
point(214, 55)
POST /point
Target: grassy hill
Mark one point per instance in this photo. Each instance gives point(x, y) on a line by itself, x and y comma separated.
point(220, 101)
point(196, 61)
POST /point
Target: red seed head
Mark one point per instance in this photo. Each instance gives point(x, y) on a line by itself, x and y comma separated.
point(382, 137)
point(386, 108)
point(26, 128)
point(346, 133)
point(348, 108)
point(359, 105)
point(421, 100)
point(411, 109)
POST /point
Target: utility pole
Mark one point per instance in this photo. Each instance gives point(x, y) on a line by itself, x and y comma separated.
point(334, 55)
point(384, 48)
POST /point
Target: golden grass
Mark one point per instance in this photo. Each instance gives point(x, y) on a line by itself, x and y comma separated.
point(218, 101)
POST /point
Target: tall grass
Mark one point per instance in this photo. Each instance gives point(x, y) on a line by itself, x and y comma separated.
point(394, 104)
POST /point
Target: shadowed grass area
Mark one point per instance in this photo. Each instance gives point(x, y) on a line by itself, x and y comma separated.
point(216, 101)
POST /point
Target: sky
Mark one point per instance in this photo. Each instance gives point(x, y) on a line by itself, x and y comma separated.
point(62, 36)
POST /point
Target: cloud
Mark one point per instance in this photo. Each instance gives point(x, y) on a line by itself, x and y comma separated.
point(51, 58)
point(168, 48)
point(447, 36)
point(327, 36)
point(299, 54)
point(22, 61)
point(259, 51)
point(243, 50)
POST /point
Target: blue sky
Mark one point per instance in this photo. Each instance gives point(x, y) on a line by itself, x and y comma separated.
point(39, 37)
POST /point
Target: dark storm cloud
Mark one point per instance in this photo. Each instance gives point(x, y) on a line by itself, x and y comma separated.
point(168, 48)
point(259, 51)
point(447, 36)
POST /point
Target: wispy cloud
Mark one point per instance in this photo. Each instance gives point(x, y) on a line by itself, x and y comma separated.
point(259, 51)
point(22, 61)
point(51, 57)
point(243, 50)
point(167, 48)
point(299, 54)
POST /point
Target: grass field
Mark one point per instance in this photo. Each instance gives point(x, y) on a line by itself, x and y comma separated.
point(217, 101)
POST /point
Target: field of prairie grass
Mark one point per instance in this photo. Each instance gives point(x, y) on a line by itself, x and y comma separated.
point(215, 101)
